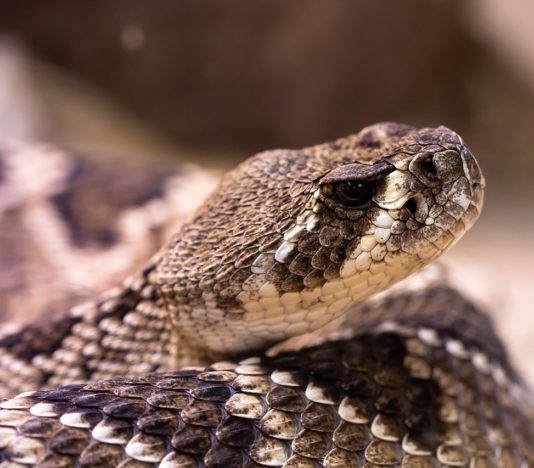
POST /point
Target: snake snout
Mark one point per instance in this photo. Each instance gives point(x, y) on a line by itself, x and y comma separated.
point(455, 169)
point(450, 178)
point(472, 169)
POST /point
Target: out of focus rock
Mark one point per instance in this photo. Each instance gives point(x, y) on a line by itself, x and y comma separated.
point(251, 75)
point(39, 101)
point(21, 115)
point(507, 28)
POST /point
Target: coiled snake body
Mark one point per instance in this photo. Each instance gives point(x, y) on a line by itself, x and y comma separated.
point(288, 242)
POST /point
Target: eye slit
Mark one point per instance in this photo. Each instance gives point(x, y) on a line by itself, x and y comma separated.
point(353, 193)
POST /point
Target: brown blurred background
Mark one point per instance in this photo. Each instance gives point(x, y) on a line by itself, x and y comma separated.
point(213, 82)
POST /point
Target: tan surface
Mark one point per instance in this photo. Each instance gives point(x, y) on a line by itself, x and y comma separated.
point(494, 264)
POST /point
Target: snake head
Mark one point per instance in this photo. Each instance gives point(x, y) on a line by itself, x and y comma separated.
point(292, 239)
point(411, 201)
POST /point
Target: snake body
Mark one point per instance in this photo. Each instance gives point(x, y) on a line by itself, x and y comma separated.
point(288, 242)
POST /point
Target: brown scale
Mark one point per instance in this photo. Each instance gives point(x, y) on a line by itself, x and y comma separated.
point(342, 403)
point(114, 307)
point(400, 404)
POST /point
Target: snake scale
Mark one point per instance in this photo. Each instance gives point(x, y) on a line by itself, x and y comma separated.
point(173, 366)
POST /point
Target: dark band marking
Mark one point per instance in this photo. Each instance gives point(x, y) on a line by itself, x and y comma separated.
point(43, 337)
point(95, 196)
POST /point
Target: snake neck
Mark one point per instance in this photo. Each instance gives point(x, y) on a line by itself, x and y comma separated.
point(126, 331)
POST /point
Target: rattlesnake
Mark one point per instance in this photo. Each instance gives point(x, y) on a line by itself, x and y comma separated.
point(286, 244)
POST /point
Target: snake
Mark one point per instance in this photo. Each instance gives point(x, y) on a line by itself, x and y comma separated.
point(275, 326)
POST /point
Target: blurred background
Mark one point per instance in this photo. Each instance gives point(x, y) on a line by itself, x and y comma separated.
point(213, 82)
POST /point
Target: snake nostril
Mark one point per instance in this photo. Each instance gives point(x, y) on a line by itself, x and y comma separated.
point(429, 169)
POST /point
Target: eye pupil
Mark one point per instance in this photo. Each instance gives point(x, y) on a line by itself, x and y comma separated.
point(353, 193)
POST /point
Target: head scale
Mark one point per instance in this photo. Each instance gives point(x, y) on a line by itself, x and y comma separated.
point(293, 238)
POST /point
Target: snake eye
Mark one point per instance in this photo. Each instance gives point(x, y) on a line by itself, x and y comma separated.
point(353, 193)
